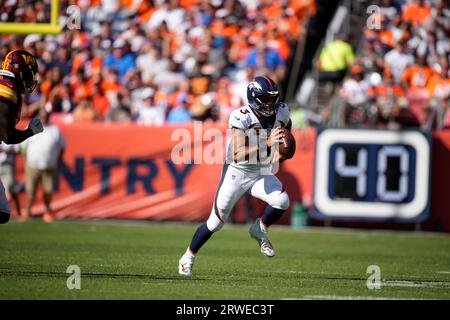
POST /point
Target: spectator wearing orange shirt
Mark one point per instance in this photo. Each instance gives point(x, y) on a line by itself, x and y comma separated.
point(388, 88)
point(387, 38)
point(302, 8)
point(417, 75)
point(416, 12)
point(439, 87)
point(439, 84)
point(88, 62)
point(99, 101)
point(384, 95)
point(55, 92)
point(111, 86)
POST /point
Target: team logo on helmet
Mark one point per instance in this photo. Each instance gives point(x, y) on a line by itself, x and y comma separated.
point(255, 85)
point(22, 66)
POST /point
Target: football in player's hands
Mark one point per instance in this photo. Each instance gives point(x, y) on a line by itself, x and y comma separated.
point(36, 126)
point(287, 147)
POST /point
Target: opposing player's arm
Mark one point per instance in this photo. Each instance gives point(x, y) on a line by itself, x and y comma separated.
point(18, 136)
point(15, 136)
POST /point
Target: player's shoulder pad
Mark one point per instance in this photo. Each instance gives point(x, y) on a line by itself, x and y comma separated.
point(240, 118)
point(283, 112)
point(7, 92)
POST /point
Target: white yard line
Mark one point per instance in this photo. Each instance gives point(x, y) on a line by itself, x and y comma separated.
point(385, 283)
point(419, 284)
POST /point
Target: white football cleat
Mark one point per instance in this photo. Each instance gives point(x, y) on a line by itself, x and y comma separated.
point(186, 264)
point(260, 236)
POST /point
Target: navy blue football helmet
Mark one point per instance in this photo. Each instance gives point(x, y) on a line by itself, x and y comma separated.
point(263, 95)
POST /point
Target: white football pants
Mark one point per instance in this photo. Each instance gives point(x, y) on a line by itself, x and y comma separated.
point(234, 183)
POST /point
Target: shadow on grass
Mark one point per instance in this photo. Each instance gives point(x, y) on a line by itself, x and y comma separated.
point(92, 275)
point(96, 275)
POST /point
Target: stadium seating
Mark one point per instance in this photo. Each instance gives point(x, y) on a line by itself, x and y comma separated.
point(192, 54)
point(407, 56)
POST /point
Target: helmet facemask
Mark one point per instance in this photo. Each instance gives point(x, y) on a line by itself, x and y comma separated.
point(267, 103)
point(30, 84)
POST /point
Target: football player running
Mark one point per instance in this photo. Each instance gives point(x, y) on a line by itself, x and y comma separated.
point(18, 75)
point(249, 168)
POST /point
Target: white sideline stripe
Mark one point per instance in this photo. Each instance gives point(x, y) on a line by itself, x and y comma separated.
point(333, 297)
point(443, 272)
point(419, 284)
point(386, 283)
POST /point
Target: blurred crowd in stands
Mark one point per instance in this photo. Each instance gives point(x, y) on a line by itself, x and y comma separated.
point(155, 62)
point(400, 75)
point(172, 61)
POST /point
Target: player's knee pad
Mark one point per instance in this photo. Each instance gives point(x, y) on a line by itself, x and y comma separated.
point(279, 200)
point(224, 208)
point(213, 223)
point(4, 217)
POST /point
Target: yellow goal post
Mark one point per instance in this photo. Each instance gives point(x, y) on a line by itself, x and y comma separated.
point(39, 28)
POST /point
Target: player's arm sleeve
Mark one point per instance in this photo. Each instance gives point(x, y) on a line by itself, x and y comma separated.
point(237, 120)
point(10, 133)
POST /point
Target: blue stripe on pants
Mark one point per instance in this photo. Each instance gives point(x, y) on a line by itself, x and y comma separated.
point(224, 172)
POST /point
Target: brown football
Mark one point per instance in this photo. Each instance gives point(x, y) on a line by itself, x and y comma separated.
point(287, 147)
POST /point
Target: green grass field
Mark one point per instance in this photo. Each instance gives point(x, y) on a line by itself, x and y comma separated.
point(126, 260)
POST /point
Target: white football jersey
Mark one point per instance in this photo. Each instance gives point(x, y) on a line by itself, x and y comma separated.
point(245, 119)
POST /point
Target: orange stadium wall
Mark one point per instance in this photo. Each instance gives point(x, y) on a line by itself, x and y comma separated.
point(114, 171)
